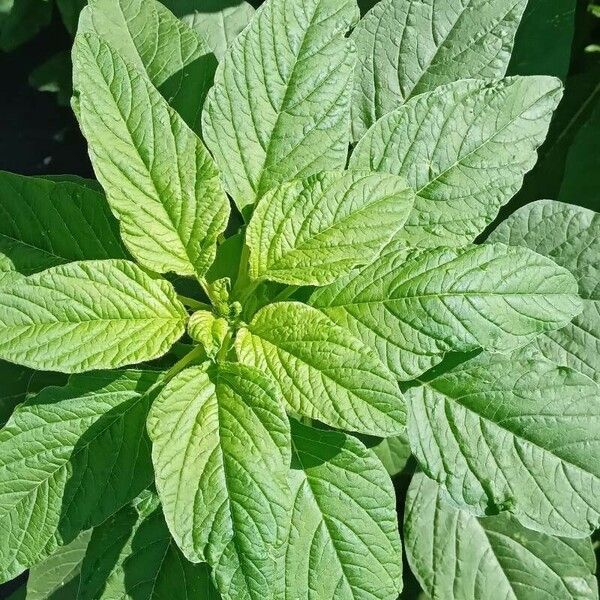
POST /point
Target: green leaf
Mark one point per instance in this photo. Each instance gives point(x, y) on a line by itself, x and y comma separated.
point(544, 38)
point(218, 22)
point(521, 436)
point(279, 109)
point(57, 577)
point(22, 21)
point(147, 36)
point(132, 555)
point(88, 315)
point(221, 452)
point(159, 178)
point(46, 223)
point(570, 236)
point(70, 457)
point(456, 555)
point(464, 148)
point(321, 370)
point(312, 231)
point(69, 12)
point(343, 541)
point(54, 76)
point(412, 307)
point(407, 47)
point(8, 273)
point(394, 453)
point(209, 330)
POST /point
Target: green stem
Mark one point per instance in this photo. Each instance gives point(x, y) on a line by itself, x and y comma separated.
point(194, 304)
point(180, 365)
point(286, 292)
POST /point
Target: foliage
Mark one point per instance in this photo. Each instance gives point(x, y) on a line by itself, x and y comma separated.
point(287, 286)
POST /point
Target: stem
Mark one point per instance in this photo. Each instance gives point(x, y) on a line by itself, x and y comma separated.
point(194, 304)
point(286, 292)
point(181, 364)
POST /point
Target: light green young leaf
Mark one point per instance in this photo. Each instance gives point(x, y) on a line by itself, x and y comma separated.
point(88, 315)
point(221, 453)
point(146, 35)
point(569, 235)
point(69, 458)
point(394, 453)
point(159, 178)
point(8, 273)
point(312, 231)
point(44, 223)
point(456, 555)
point(520, 436)
point(344, 540)
point(280, 106)
point(218, 22)
point(133, 556)
point(209, 330)
point(57, 577)
point(407, 47)
point(464, 148)
point(321, 370)
point(414, 306)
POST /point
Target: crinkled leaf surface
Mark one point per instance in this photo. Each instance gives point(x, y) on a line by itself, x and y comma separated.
point(218, 22)
point(221, 453)
point(69, 458)
point(414, 306)
point(45, 223)
point(569, 235)
point(407, 47)
point(159, 178)
point(280, 106)
point(8, 273)
point(57, 577)
point(177, 59)
point(132, 555)
point(321, 370)
point(88, 315)
point(343, 541)
point(521, 436)
point(312, 231)
point(456, 555)
point(464, 148)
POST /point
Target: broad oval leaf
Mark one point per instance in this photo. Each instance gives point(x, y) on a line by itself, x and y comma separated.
point(456, 555)
point(280, 106)
point(221, 453)
point(159, 178)
point(132, 555)
point(344, 540)
point(321, 370)
point(45, 223)
point(177, 59)
point(569, 235)
point(312, 231)
point(521, 436)
point(414, 306)
point(88, 315)
point(407, 47)
point(464, 148)
point(69, 458)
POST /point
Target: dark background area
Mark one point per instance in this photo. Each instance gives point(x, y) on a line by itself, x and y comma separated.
point(40, 137)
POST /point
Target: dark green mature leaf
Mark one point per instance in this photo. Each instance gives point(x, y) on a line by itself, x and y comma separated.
point(543, 42)
point(414, 306)
point(321, 370)
point(464, 148)
point(88, 315)
point(221, 452)
point(69, 458)
point(146, 35)
point(280, 106)
point(57, 577)
point(46, 223)
point(521, 436)
point(343, 541)
point(312, 231)
point(218, 22)
point(456, 555)
point(20, 20)
point(159, 178)
point(132, 555)
point(54, 76)
point(570, 236)
point(69, 12)
point(407, 47)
